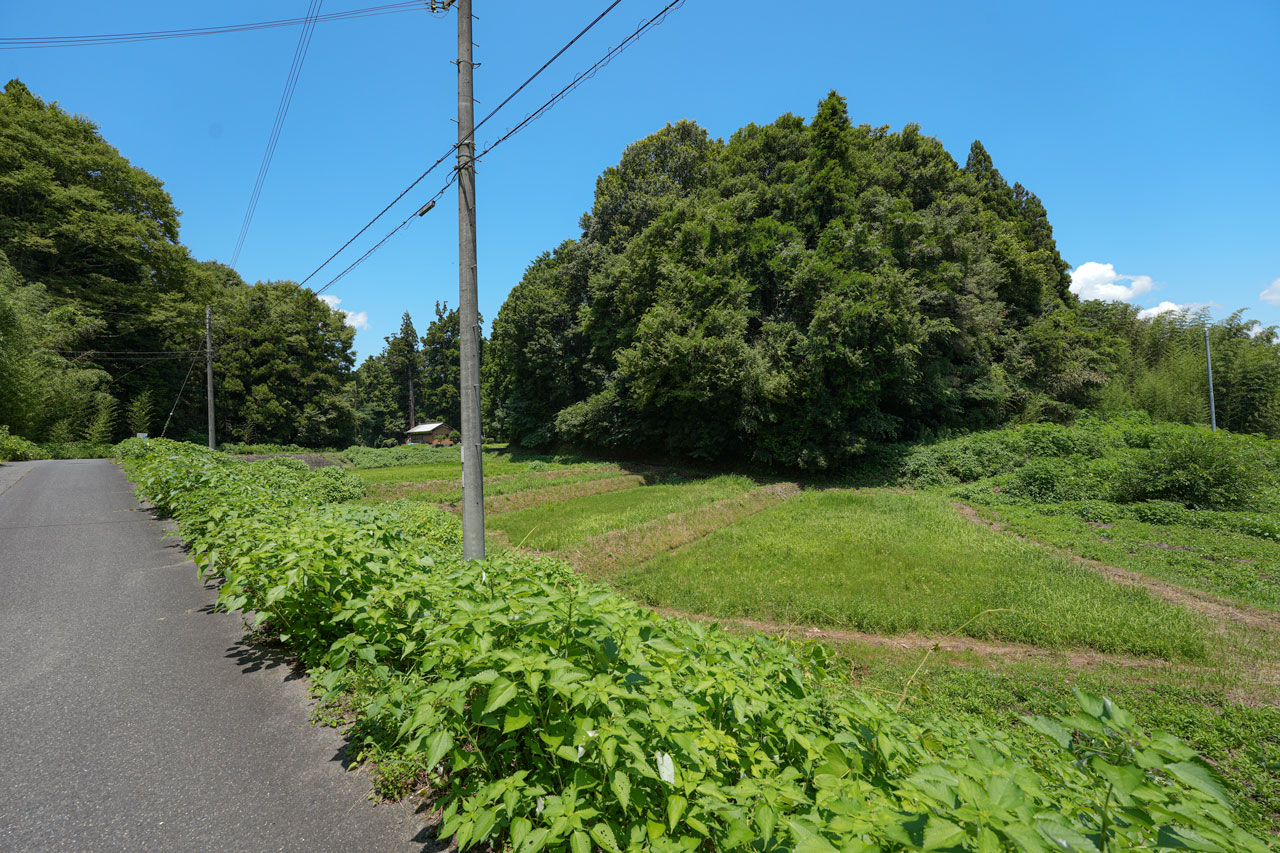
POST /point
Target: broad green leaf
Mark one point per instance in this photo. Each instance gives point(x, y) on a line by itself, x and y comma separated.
point(622, 787)
point(501, 692)
point(437, 745)
point(1199, 777)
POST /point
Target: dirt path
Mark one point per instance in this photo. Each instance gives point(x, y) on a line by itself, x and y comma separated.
point(1076, 658)
point(611, 552)
point(1218, 609)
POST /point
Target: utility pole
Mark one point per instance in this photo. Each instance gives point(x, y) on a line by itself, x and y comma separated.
point(468, 308)
point(208, 369)
point(1208, 360)
point(355, 406)
point(413, 415)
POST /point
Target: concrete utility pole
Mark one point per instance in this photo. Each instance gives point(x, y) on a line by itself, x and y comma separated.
point(355, 406)
point(1208, 360)
point(468, 310)
point(413, 415)
point(208, 369)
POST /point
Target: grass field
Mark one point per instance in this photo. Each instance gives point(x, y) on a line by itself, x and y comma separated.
point(885, 562)
point(555, 526)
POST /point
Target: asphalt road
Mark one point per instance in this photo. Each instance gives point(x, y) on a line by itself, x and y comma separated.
point(134, 718)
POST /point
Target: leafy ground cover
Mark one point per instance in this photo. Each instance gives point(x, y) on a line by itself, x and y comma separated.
point(555, 526)
point(542, 712)
point(1243, 737)
point(886, 562)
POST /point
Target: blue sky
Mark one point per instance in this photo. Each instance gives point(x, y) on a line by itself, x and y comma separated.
point(1149, 129)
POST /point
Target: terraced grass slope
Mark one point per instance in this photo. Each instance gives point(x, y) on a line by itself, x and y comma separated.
point(887, 562)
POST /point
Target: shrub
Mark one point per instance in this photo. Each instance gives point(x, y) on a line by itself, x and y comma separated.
point(331, 485)
point(1159, 512)
point(1199, 469)
point(397, 454)
point(14, 448)
point(549, 713)
point(1099, 512)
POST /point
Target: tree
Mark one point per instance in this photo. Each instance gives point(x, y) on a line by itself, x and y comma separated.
point(441, 354)
point(282, 366)
point(141, 413)
point(404, 361)
point(380, 419)
point(790, 298)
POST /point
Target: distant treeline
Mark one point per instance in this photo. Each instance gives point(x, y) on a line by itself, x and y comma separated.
point(787, 298)
point(803, 291)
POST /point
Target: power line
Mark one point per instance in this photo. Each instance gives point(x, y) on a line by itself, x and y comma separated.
point(454, 147)
point(528, 119)
point(282, 111)
point(124, 351)
point(33, 42)
point(178, 399)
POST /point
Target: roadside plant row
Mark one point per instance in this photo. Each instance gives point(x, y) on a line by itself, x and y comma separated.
point(541, 712)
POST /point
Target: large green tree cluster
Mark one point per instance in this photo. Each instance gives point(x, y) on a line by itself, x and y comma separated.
point(790, 296)
point(102, 308)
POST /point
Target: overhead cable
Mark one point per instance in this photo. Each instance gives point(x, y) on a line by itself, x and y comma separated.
point(282, 111)
point(528, 119)
point(446, 155)
point(31, 42)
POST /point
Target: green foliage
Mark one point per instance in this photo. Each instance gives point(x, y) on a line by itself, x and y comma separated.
point(141, 413)
point(102, 426)
point(1122, 460)
point(1158, 366)
point(332, 485)
point(281, 366)
point(395, 456)
point(440, 397)
point(552, 714)
point(788, 297)
point(14, 448)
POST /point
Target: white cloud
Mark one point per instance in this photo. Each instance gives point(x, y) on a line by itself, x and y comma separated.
point(1162, 308)
point(355, 319)
point(1271, 295)
point(1092, 280)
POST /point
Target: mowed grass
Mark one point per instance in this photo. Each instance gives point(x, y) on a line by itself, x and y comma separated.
point(888, 563)
point(557, 526)
point(495, 464)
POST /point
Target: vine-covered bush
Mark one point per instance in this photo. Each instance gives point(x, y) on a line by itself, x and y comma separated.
point(14, 448)
point(546, 713)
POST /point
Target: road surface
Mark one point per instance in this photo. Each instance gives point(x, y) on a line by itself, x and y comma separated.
point(134, 718)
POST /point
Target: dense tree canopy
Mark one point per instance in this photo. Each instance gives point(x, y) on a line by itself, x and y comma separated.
point(102, 308)
point(789, 296)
